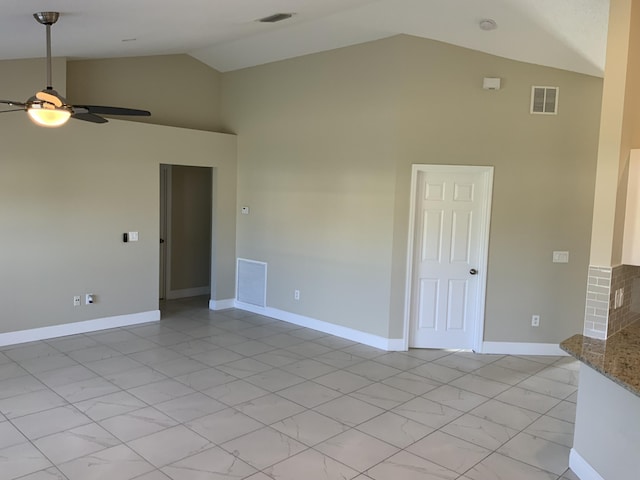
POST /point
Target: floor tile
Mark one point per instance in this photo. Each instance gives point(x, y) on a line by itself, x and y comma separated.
point(311, 465)
point(50, 362)
point(564, 411)
point(135, 377)
point(505, 414)
point(224, 425)
point(195, 405)
point(308, 368)
point(205, 379)
point(428, 354)
point(28, 403)
point(51, 421)
point(47, 474)
point(528, 399)
point(278, 358)
point(501, 374)
point(480, 385)
point(137, 423)
point(112, 365)
point(308, 349)
point(562, 375)
point(349, 411)
point(244, 367)
point(76, 442)
point(21, 385)
point(193, 347)
point(234, 393)
point(395, 429)
point(170, 445)
point(90, 354)
point(499, 467)
point(399, 360)
point(263, 447)
point(382, 395)
point(538, 452)
point(438, 373)
point(357, 449)
point(309, 427)
point(274, 379)
point(343, 381)
point(339, 359)
point(552, 429)
point(309, 394)
point(269, 408)
point(11, 370)
point(72, 342)
point(411, 383)
point(155, 355)
point(21, 459)
point(161, 391)
point(30, 351)
point(85, 389)
point(464, 364)
point(548, 387)
point(211, 464)
point(364, 351)
point(480, 431)
point(520, 364)
point(118, 462)
point(373, 371)
point(428, 413)
point(251, 348)
point(450, 452)
point(407, 466)
point(457, 398)
point(9, 435)
point(110, 405)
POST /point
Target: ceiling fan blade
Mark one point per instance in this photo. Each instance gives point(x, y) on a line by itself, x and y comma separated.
point(13, 110)
point(48, 97)
point(12, 102)
point(102, 110)
point(89, 117)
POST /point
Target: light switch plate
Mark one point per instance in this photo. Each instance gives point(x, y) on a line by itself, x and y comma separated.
point(133, 236)
point(560, 257)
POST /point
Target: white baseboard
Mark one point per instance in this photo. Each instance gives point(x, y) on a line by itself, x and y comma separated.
point(581, 467)
point(222, 304)
point(188, 292)
point(522, 348)
point(55, 331)
point(389, 344)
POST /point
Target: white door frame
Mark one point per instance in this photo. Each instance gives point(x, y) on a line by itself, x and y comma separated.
point(483, 247)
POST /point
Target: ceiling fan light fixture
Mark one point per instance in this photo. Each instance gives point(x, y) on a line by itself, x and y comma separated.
point(48, 117)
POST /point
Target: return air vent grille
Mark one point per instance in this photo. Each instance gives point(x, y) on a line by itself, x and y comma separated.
point(544, 100)
point(252, 282)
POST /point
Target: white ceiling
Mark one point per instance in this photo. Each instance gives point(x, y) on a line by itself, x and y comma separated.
point(568, 34)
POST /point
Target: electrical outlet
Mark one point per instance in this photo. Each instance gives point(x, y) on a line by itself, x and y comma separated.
point(89, 298)
point(76, 301)
point(296, 294)
point(535, 320)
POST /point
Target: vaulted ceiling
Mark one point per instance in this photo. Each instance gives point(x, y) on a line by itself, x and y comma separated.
point(567, 34)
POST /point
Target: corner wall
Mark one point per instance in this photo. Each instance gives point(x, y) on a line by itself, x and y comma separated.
point(66, 197)
point(326, 144)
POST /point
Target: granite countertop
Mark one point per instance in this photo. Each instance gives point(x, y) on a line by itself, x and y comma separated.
point(617, 358)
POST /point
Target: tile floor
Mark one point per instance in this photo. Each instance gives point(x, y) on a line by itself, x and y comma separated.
point(207, 395)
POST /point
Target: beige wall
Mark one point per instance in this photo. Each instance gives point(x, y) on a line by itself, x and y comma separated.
point(179, 90)
point(66, 197)
point(21, 79)
point(325, 147)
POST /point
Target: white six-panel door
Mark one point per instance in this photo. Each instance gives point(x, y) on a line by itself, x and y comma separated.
point(450, 233)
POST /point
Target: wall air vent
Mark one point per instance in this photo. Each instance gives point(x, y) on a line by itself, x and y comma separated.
point(544, 100)
point(252, 282)
point(276, 17)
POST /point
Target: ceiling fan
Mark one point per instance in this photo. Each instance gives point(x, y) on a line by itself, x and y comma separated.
point(48, 108)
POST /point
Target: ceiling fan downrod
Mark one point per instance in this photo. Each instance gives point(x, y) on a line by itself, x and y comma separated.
point(47, 19)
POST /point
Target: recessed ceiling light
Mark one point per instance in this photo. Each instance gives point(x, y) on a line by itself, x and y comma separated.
point(488, 24)
point(276, 17)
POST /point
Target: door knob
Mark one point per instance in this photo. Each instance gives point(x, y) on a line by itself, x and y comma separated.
point(473, 271)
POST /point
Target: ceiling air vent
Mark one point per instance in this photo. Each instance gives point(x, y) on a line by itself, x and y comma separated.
point(544, 100)
point(276, 17)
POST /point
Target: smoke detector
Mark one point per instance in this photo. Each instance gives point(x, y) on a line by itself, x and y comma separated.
point(488, 24)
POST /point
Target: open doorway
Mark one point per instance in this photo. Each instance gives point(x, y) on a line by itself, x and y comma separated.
point(185, 231)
